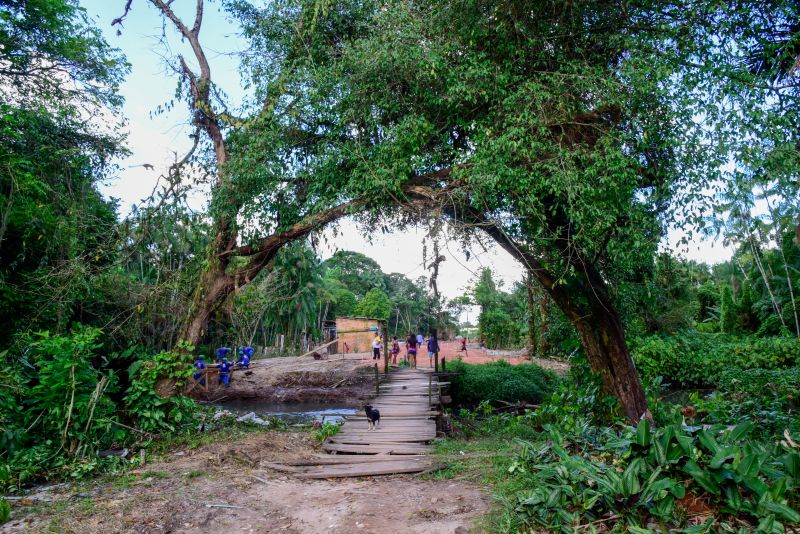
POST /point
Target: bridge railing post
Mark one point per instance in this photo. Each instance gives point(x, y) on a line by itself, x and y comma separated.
point(430, 390)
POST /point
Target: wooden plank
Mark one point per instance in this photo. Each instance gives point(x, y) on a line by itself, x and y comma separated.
point(334, 459)
point(320, 347)
point(361, 440)
point(406, 448)
point(366, 470)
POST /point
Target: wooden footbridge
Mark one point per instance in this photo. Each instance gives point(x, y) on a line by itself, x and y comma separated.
point(408, 400)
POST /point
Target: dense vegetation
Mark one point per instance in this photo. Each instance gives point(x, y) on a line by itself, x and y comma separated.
point(571, 134)
point(722, 463)
point(499, 381)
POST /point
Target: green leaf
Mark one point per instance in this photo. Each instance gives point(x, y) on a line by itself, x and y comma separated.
point(630, 478)
point(721, 456)
point(642, 437)
point(701, 477)
point(708, 441)
point(781, 510)
point(792, 464)
point(741, 430)
point(748, 466)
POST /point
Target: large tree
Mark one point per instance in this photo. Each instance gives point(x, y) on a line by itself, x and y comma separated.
point(565, 131)
point(263, 196)
point(531, 117)
point(562, 130)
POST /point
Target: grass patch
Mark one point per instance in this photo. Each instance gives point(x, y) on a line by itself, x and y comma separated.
point(500, 381)
point(124, 481)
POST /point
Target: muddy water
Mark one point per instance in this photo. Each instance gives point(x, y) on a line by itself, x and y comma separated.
point(296, 412)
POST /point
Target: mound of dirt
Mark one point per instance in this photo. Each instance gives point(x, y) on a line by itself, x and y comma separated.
point(299, 379)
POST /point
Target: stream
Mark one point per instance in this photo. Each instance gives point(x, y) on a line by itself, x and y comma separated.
point(298, 412)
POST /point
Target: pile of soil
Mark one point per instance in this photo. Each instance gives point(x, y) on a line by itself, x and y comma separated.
point(299, 379)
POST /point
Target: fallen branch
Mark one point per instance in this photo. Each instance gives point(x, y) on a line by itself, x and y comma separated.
point(337, 384)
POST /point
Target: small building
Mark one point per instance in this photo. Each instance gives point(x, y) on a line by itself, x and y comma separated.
point(357, 332)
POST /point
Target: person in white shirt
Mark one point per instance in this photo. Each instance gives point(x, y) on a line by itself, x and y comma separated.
point(377, 345)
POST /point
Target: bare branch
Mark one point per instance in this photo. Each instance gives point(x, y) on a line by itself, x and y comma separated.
point(118, 21)
point(198, 19)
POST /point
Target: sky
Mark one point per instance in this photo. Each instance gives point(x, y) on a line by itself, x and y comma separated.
point(158, 139)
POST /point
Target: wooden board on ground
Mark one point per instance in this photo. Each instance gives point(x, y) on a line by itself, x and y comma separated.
point(405, 448)
point(332, 459)
point(373, 469)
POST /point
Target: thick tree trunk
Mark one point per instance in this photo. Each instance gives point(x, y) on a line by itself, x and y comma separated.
point(603, 339)
point(587, 305)
point(212, 289)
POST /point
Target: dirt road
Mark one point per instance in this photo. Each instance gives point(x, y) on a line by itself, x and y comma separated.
point(226, 487)
point(451, 350)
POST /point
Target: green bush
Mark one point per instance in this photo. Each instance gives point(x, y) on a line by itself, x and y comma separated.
point(767, 398)
point(782, 385)
point(154, 412)
point(500, 381)
point(699, 360)
point(639, 478)
point(56, 407)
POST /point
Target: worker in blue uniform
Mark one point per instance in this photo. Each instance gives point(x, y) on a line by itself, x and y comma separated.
point(199, 365)
point(244, 357)
point(225, 372)
point(222, 353)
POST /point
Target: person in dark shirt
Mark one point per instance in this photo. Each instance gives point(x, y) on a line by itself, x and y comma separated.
point(433, 348)
point(411, 350)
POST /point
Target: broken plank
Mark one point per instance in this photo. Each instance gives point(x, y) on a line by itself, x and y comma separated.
point(365, 470)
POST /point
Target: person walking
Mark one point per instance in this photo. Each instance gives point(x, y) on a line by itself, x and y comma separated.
point(395, 350)
point(411, 350)
point(433, 348)
point(199, 365)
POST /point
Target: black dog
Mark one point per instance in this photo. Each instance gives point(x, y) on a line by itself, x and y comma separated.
point(373, 417)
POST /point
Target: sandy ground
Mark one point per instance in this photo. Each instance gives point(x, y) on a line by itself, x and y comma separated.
point(226, 487)
point(474, 354)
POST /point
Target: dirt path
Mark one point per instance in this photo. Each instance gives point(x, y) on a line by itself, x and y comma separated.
point(173, 495)
point(475, 354)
